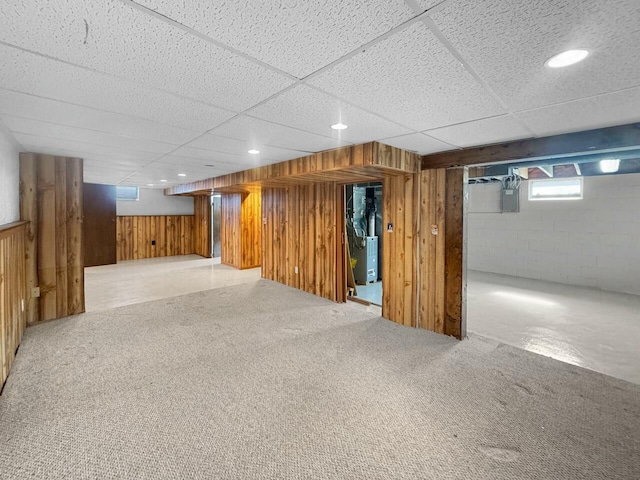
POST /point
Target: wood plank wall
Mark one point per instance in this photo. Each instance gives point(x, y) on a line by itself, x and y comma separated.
point(300, 229)
point(13, 293)
point(202, 225)
point(51, 197)
point(240, 229)
point(173, 235)
point(442, 251)
point(230, 226)
point(399, 266)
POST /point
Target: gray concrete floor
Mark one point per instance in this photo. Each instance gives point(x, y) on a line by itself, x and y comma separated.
point(583, 326)
point(371, 292)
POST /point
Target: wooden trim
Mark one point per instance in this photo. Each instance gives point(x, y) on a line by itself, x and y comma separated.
point(7, 229)
point(352, 164)
point(589, 142)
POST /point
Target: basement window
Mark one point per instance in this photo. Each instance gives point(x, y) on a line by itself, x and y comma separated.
point(127, 193)
point(556, 189)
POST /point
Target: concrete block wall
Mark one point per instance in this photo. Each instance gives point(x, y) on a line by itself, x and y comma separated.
point(591, 242)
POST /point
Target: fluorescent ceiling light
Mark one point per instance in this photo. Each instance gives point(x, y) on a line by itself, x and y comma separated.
point(339, 126)
point(253, 151)
point(609, 165)
point(567, 58)
point(182, 174)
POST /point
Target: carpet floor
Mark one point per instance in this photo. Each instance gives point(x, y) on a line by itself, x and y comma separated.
point(263, 381)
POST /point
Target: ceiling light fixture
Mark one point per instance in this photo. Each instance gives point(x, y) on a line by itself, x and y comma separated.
point(567, 58)
point(149, 184)
point(339, 126)
point(182, 174)
point(609, 165)
point(253, 151)
point(163, 181)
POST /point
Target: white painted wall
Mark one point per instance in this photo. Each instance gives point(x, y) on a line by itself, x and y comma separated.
point(153, 202)
point(592, 242)
point(9, 177)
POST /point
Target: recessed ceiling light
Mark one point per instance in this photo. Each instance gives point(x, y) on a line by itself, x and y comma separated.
point(253, 151)
point(182, 174)
point(163, 181)
point(339, 126)
point(567, 58)
point(149, 184)
point(610, 165)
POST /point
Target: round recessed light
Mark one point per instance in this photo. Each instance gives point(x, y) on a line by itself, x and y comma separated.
point(567, 58)
point(339, 126)
point(253, 151)
point(182, 174)
point(163, 181)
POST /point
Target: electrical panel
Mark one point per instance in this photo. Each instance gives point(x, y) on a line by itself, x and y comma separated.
point(510, 199)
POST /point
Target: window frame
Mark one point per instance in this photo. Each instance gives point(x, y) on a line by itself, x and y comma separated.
point(119, 199)
point(549, 198)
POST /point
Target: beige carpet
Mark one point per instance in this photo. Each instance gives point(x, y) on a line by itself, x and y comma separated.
point(266, 382)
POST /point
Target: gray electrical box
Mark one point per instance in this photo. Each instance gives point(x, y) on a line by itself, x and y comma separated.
point(366, 269)
point(510, 200)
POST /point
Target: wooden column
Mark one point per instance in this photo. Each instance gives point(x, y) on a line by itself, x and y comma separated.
point(400, 208)
point(241, 229)
point(51, 200)
point(202, 225)
point(455, 252)
point(443, 203)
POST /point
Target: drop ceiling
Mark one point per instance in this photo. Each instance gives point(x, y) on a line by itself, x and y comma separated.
point(144, 90)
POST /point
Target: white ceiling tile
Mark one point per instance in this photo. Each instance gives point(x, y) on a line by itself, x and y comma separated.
point(296, 37)
point(261, 132)
point(217, 143)
point(507, 42)
point(115, 38)
point(313, 111)
point(482, 132)
point(417, 142)
point(241, 162)
point(50, 145)
point(427, 4)
point(603, 111)
point(413, 79)
point(63, 132)
point(29, 73)
point(38, 108)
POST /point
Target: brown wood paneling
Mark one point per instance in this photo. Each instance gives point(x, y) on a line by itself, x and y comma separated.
point(13, 293)
point(202, 225)
point(455, 254)
point(99, 224)
point(172, 235)
point(353, 164)
point(399, 272)
point(231, 215)
point(251, 252)
point(301, 229)
point(51, 198)
point(432, 250)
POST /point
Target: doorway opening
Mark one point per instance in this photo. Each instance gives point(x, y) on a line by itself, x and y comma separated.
point(363, 219)
point(216, 243)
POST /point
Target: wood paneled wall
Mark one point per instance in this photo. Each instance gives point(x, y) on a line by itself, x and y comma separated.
point(442, 251)
point(240, 229)
point(13, 293)
point(51, 200)
point(300, 230)
point(173, 235)
point(399, 266)
point(202, 225)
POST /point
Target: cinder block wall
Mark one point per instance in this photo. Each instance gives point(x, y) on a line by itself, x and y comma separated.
point(593, 242)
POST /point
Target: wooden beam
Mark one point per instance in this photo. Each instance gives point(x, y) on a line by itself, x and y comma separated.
point(570, 143)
